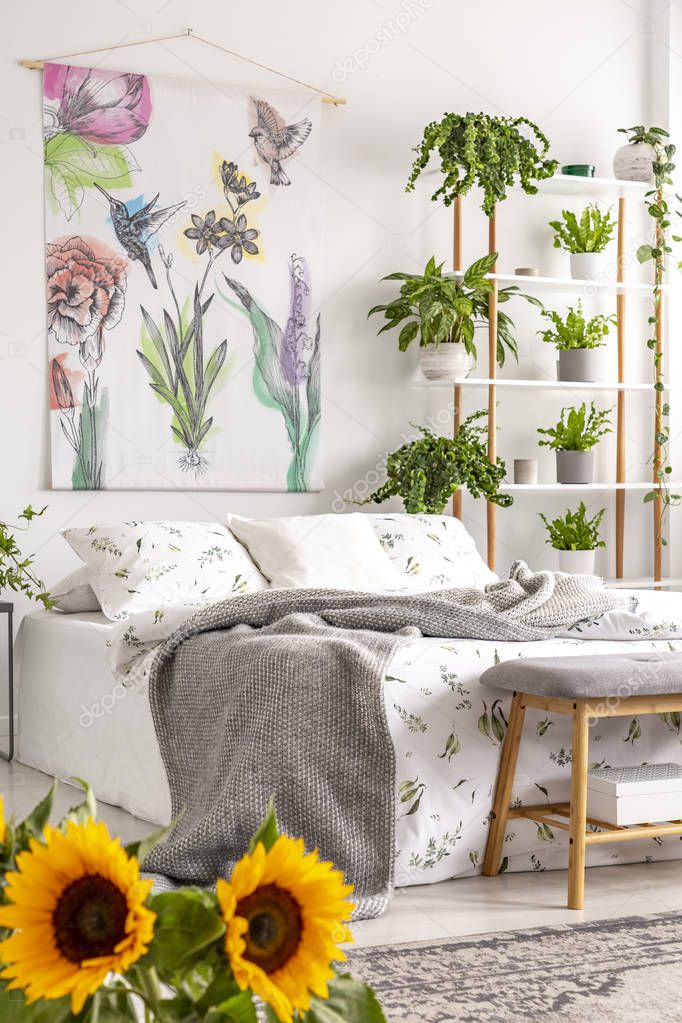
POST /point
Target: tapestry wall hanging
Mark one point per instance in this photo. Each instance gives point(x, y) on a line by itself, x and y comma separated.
point(182, 225)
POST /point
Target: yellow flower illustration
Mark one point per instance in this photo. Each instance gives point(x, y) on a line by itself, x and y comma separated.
point(285, 913)
point(76, 904)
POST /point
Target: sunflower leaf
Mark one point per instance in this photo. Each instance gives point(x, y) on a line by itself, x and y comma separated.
point(13, 1009)
point(238, 1009)
point(268, 832)
point(83, 810)
point(186, 922)
point(40, 814)
point(140, 850)
point(350, 1001)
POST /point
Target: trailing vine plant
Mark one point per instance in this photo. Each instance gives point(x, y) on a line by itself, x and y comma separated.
point(658, 203)
point(492, 152)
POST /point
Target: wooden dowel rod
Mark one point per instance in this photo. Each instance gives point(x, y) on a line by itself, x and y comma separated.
point(629, 834)
point(658, 413)
point(492, 390)
point(620, 409)
point(457, 265)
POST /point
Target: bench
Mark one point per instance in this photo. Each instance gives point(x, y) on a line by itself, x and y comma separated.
point(586, 688)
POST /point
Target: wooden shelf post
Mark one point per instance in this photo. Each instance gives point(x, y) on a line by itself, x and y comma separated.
point(658, 415)
point(620, 413)
point(492, 389)
point(457, 265)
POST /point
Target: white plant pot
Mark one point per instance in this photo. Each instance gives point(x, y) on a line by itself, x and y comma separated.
point(587, 266)
point(578, 364)
point(634, 162)
point(577, 562)
point(445, 361)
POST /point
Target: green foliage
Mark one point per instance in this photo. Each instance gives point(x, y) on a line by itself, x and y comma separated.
point(574, 531)
point(426, 472)
point(439, 309)
point(574, 331)
point(492, 152)
point(660, 208)
point(16, 572)
point(592, 233)
point(578, 429)
point(73, 164)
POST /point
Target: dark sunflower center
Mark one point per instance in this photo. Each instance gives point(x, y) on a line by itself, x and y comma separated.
point(89, 919)
point(275, 926)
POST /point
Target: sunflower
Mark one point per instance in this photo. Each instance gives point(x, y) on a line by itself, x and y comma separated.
point(285, 912)
point(3, 825)
point(76, 904)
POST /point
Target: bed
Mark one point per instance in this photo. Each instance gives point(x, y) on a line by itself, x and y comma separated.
point(76, 719)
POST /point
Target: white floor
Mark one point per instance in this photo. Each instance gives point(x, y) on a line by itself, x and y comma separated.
point(453, 908)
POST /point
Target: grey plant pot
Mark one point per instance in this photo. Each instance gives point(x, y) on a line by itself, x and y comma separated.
point(575, 466)
point(578, 364)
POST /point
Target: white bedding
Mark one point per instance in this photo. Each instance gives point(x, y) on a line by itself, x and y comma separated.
point(74, 718)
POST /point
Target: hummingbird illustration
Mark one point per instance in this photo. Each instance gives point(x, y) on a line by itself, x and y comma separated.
point(134, 230)
point(275, 140)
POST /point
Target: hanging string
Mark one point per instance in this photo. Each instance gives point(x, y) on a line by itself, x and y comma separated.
point(327, 97)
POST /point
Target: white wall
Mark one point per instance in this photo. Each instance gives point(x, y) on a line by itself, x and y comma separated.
point(580, 69)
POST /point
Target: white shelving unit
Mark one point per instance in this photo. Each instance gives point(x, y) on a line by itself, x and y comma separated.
point(531, 487)
point(545, 385)
point(562, 285)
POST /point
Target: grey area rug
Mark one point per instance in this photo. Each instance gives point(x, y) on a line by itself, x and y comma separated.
point(625, 970)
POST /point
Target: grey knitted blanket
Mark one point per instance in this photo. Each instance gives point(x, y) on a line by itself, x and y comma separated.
point(279, 693)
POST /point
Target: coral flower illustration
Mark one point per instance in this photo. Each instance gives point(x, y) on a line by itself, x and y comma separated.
point(103, 107)
point(285, 914)
point(77, 906)
point(86, 285)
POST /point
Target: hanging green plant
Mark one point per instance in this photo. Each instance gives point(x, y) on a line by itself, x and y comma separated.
point(491, 152)
point(659, 206)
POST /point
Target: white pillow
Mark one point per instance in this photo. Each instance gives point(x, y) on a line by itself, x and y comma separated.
point(74, 593)
point(336, 551)
point(141, 566)
point(435, 552)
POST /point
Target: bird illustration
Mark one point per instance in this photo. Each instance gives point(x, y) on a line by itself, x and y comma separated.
point(134, 230)
point(275, 141)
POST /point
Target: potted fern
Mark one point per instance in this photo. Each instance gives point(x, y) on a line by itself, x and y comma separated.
point(577, 341)
point(494, 153)
point(573, 439)
point(585, 239)
point(427, 471)
point(442, 310)
point(576, 538)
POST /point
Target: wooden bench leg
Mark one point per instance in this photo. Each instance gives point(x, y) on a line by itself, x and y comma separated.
point(503, 788)
point(578, 808)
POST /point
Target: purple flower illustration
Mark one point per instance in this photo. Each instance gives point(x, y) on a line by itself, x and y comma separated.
point(103, 107)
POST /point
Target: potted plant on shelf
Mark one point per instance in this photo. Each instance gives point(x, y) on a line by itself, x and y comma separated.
point(573, 438)
point(443, 311)
point(492, 152)
point(576, 340)
point(635, 160)
point(585, 239)
point(427, 471)
point(576, 538)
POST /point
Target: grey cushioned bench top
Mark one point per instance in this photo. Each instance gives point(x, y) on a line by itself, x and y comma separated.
point(622, 675)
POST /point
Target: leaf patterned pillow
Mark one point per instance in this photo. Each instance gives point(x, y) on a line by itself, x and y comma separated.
point(434, 552)
point(139, 566)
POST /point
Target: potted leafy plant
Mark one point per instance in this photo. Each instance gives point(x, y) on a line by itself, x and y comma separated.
point(16, 572)
point(492, 152)
point(585, 239)
point(574, 438)
point(576, 340)
point(635, 160)
point(576, 538)
point(442, 311)
point(427, 471)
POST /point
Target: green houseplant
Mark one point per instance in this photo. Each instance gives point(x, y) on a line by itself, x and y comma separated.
point(585, 239)
point(494, 153)
point(441, 311)
point(576, 339)
point(16, 569)
point(576, 538)
point(427, 471)
point(574, 437)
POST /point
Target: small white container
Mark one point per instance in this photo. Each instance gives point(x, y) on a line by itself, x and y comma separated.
point(577, 562)
point(526, 471)
point(647, 794)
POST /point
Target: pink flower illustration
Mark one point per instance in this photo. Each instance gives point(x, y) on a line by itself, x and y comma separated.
point(101, 106)
point(85, 293)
